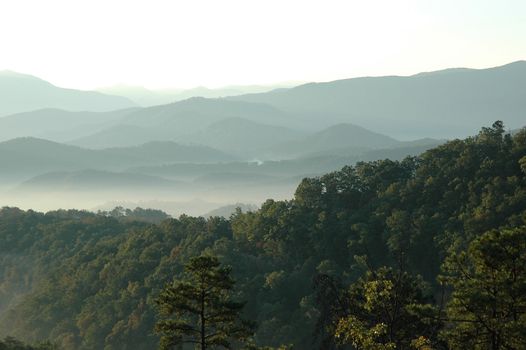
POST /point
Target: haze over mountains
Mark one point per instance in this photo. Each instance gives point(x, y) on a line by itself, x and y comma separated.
point(73, 148)
point(147, 97)
point(22, 92)
point(57, 124)
point(23, 157)
point(447, 103)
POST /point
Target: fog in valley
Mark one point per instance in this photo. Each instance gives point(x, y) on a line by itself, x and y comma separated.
point(262, 175)
point(93, 151)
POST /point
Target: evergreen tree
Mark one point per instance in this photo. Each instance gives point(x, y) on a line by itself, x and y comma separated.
point(389, 309)
point(10, 343)
point(198, 309)
point(89, 282)
point(332, 303)
point(487, 309)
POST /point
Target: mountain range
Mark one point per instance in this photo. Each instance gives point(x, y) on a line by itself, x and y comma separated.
point(22, 93)
point(148, 97)
point(27, 157)
point(448, 103)
point(242, 148)
point(57, 124)
point(442, 104)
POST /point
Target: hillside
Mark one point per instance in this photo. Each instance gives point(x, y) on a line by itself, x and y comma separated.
point(56, 124)
point(121, 135)
point(22, 93)
point(442, 104)
point(241, 136)
point(148, 97)
point(352, 138)
point(179, 120)
point(171, 152)
point(93, 180)
point(26, 157)
point(377, 229)
point(194, 113)
point(301, 167)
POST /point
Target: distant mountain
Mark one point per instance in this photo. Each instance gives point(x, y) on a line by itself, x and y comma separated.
point(233, 90)
point(227, 210)
point(514, 131)
point(56, 124)
point(442, 104)
point(171, 152)
point(142, 96)
point(147, 97)
point(354, 139)
point(93, 180)
point(180, 120)
point(121, 135)
point(193, 207)
point(26, 157)
point(241, 136)
point(235, 179)
point(272, 170)
point(22, 93)
point(195, 113)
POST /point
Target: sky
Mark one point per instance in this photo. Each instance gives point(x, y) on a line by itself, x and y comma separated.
point(172, 43)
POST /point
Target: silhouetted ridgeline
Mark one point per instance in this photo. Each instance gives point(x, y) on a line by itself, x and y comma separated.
point(22, 93)
point(88, 281)
point(448, 103)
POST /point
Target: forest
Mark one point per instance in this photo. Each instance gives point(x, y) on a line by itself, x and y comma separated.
point(428, 252)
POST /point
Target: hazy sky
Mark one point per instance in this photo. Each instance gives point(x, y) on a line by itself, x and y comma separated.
point(92, 43)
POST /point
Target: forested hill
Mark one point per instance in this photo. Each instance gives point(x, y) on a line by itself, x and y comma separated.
point(88, 281)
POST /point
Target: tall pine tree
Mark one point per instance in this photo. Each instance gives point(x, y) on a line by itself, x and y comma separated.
point(198, 309)
point(487, 309)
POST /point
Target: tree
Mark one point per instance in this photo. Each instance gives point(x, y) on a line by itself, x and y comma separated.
point(198, 309)
point(332, 302)
point(10, 343)
point(487, 309)
point(388, 310)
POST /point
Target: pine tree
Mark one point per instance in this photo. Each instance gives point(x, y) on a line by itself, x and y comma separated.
point(198, 309)
point(487, 309)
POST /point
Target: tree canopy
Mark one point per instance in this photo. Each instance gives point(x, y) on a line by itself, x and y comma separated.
point(487, 308)
point(89, 281)
point(199, 309)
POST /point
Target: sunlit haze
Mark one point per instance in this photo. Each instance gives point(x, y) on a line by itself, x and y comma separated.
point(89, 44)
point(262, 174)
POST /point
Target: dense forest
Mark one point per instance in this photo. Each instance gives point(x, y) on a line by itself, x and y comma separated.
point(424, 253)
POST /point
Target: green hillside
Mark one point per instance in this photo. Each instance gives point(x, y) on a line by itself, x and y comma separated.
point(360, 255)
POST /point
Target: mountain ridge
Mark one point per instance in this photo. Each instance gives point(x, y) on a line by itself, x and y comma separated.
point(28, 156)
point(23, 93)
point(338, 136)
point(437, 105)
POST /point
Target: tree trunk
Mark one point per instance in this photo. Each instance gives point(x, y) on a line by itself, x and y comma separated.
point(203, 334)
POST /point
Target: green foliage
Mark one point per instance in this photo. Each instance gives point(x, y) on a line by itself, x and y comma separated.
point(361, 336)
point(388, 309)
point(153, 216)
point(10, 343)
point(198, 309)
point(488, 303)
point(90, 281)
